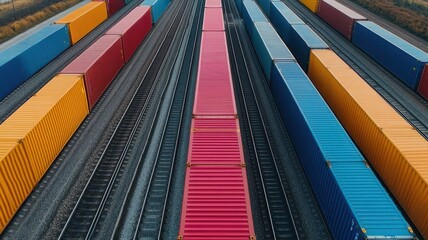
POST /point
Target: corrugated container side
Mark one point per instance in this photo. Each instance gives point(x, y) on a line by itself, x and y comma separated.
point(45, 123)
point(266, 5)
point(311, 4)
point(84, 19)
point(354, 203)
point(216, 203)
point(398, 56)
point(112, 5)
point(133, 28)
point(393, 147)
point(251, 13)
point(338, 16)
point(127, 1)
point(214, 88)
point(213, 4)
point(282, 19)
point(213, 19)
point(106, 51)
point(239, 5)
point(269, 47)
point(423, 83)
point(215, 141)
point(22, 60)
point(16, 179)
point(302, 40)
point(158, 7)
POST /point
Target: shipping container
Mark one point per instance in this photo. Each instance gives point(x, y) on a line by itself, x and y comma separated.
point(311, 4)
point(213, 19)
point(216, 203)
point(158, 7)
point(352, 200)
point(338, 16)
point(16, 179)
point(214, 89)
point(84, 19)
point(133, 28)
point(266, 5)
point(282, 19)
point(33, 136)
point(423, 83)
point(112, 5)
point(301, 40)
point(25, 58)
point(106, 51)
point(215, 141)
point(251, 13)
point(396, 150)
point(127, 1)
point(213, 4)
point(399, 57)
point(269, 47)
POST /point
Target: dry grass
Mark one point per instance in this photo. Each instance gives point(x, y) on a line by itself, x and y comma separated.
point(409, 14)
point(19, 26)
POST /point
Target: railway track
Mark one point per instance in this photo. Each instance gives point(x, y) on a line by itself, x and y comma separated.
point(32, 85)
point(278, 215)
point(148, 222)
point(87, 215)
point(406, 102)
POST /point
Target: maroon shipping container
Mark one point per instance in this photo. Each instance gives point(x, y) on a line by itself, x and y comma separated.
point(213, 19)
point(338, 16)
point(213, 3)
point(216, 204)
point(133, 28)
point(99, 64)
point(214, 88)
point(423, 83)
point(215, 141)
point(113, 5)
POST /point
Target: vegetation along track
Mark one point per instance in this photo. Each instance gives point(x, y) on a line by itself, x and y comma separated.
point(408, 103)
point(86, 217)
point(142, 215)
point(279, 216)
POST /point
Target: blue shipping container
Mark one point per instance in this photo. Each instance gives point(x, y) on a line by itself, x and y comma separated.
point(398, 56)
point(251, 13)
point(127, 1)
point(239, 5)
point(269, 47)
point(265, 5)
point(283, 18)
point(302, 39)
point(354, 203)
point(157, 7)
point(25, 58)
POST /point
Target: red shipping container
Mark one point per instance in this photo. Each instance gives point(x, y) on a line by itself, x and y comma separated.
point(113, 5)
point(423, 83)
point(216, 204)
point(338, 16)
point(213, 19)
point(99, 64)
point(215, 141)
point(213, 3)
point(133, 28)
point(214, 89)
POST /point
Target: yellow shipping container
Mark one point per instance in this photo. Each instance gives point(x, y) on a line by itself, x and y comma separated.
point(33, 136)
point(83, 20)
point(397, 151)
point(16, 179)
point(311, 4)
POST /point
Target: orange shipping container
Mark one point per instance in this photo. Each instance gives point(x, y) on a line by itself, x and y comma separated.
point(398, 153)
point(311, 4)
point(84, 19)
point(33, 136)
